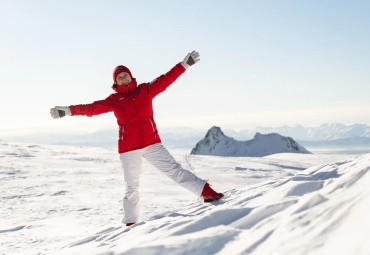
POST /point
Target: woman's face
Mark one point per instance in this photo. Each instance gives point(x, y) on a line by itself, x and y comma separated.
point(123, 79)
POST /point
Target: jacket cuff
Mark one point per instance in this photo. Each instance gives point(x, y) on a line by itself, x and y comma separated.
point(72, 108)
point(184, 65)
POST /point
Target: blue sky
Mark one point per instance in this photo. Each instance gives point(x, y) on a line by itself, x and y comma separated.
point(263, 63)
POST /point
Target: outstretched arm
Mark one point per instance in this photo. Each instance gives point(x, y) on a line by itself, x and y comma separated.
point(164, 81)
point(97, 107)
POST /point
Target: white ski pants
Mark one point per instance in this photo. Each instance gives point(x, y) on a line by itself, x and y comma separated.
point(160, 158)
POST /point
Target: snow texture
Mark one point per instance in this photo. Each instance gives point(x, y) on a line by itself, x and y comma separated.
point(216, 143)
point(66, 200)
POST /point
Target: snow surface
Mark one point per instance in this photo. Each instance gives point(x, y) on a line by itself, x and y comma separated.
point(67, 200)
point(216, 143)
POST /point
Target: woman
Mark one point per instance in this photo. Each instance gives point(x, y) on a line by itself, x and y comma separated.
point(138, 136)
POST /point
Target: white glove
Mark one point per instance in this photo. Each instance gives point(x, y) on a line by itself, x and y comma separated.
point(190, 59)
point(60, 111)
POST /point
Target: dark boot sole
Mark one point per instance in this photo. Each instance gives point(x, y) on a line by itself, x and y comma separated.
point(215, 199)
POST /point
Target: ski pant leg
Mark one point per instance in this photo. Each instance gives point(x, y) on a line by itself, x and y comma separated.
point(160, 158)
point(131, 164)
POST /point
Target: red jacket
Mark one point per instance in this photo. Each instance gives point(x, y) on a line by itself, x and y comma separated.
point(132, 106)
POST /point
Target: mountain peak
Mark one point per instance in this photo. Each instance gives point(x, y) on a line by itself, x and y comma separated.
point(215, 132)
point(218, 144)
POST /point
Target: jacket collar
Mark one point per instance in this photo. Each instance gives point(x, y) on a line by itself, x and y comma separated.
point(125, 89)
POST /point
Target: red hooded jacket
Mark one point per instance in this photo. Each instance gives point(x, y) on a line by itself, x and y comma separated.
point(132, 106)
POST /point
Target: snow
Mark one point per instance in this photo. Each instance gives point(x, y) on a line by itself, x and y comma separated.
point(67, 200)
point(218, 144)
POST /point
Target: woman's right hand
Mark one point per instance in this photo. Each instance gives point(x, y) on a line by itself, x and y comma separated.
point(60, 111)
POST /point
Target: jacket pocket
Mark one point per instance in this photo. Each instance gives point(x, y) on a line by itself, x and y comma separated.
point(154, 131)
point(122, 132)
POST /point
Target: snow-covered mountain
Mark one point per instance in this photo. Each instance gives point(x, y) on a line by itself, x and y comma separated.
point(345, 142)
point(171, 137)
point(216, 143)
point(323, 132)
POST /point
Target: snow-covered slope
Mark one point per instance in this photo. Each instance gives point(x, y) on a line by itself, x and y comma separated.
point(218, 144)
point(67, 200)
point(322, 210)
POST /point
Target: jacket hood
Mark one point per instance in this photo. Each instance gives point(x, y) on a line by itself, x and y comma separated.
point(125, 89)
point(120, 69)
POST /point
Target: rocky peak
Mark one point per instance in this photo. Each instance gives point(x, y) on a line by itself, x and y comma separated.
point(217, 143)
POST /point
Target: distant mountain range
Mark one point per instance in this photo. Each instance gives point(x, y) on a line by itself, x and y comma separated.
point(216, 143)
point(323, 132)
point(182, 137)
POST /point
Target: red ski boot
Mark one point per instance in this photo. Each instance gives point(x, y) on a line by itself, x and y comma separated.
point(210, 195)
point(129, 224)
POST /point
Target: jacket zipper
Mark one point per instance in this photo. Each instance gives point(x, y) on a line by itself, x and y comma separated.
point(151, 122)
point(122, 131)
point(136, 111)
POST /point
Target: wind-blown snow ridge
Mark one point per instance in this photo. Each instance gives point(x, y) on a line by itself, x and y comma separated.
point(321, 210)
point(216, 143)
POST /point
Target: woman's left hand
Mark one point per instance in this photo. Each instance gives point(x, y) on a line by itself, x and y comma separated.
point(190, 59)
